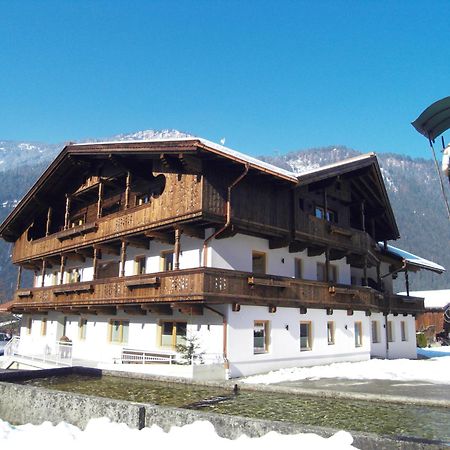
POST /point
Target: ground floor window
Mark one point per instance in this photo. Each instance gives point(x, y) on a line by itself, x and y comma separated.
point(173, 333)
point(82, 329)
point(260, 337)
point(28, 324)
point(305, 336)
point(390, 331)
point(375, 332)
point(358, 334)
point(118, 331)
point(403, 331)
point(330, 332)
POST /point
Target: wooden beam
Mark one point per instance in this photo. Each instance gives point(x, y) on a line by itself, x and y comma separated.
point(279, 242)
point(192, 231)
point(123, 258)
point(167, 238)
point(136, 241)
point(297, 246)
point(315, 250)
point(134, 310)
point(106, 310)
point(177, 249)
point(67, 212)
point(188, 309)
point(110, 249)
point(159, 309)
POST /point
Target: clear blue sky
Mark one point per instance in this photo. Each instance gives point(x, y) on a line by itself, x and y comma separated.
point(267, 76)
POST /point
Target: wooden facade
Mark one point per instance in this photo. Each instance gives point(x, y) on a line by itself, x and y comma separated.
point(101, 198)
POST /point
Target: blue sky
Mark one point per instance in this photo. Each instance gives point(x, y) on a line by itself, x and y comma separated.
point(268, 76)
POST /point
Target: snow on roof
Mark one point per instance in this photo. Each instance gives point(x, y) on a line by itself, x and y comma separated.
point(432, 299)
point(414, 260)
point(212, 145)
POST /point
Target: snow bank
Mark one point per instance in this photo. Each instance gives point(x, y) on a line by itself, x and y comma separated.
point(199, 434)
point(434, 370)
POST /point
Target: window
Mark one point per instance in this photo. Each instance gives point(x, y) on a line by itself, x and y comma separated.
point(108, 269)
point(118, 331)
point(375, 332)
point(390, 331)
point(140, 265)
point(44, 326)
point(330, 332)
point(331, 215)
point(55, 278)
point(142, 199)
point(305, 336)
point(358, 334)
point(258, 262)
point(298, 268)
point(166, 261)
point(173, 333)
point(403, 331)
point(332, 272)
point(260, 337)
point(82, 325)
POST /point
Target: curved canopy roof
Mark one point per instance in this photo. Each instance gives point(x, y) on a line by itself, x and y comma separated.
point(434, 120)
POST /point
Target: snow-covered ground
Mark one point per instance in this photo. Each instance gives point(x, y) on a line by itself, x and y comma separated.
point(434, 370)
point(200, 435)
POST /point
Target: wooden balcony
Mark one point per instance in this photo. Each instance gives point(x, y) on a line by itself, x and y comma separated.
point(207, 285)
point(319, 233)
point(159, 212)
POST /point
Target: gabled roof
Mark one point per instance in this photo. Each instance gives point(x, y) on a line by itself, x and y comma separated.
point(66, 165)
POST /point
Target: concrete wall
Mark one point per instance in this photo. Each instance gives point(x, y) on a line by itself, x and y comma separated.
point(284, 340)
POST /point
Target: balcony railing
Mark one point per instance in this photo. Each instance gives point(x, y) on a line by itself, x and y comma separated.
point(208, 285)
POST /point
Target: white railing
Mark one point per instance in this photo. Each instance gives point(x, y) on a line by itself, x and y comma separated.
point(59, 353)
point(137, 356)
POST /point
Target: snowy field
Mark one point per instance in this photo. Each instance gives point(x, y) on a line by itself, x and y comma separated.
point(200, 435)
point(434, 370)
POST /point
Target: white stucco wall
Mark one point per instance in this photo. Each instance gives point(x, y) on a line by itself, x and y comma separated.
point(284, 347)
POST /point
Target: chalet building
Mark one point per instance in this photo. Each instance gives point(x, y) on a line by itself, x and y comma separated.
point(139, 246)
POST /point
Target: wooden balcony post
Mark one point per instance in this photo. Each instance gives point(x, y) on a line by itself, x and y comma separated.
point(325, 204)
point(100, 200)
point(62, 269)
point(95, 263)
point(177, 249)
point(67, 213)
point(123, 258)
point(49, 221)
point(19, 278)
point(44, 267)
point(327, 265)
point(363, 216)
point(365, 283)
point(379, 276)
point(128, 190)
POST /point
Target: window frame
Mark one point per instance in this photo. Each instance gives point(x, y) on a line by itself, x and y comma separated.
point(174, 323)
point(359, 334)
point(163, 258)
point(403, 331)
point(140, 262)
point(375, 325)
point(122, 324)
point(259, 254)
point(390, 331)
point(265, 324)
point(82, 328)
point(44, 326)
point(309, 347)
point(333, 332)
point(298, 268)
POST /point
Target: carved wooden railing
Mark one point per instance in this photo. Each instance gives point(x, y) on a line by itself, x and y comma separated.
point(181, 201)
point(212, 286)
point(320, 231)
